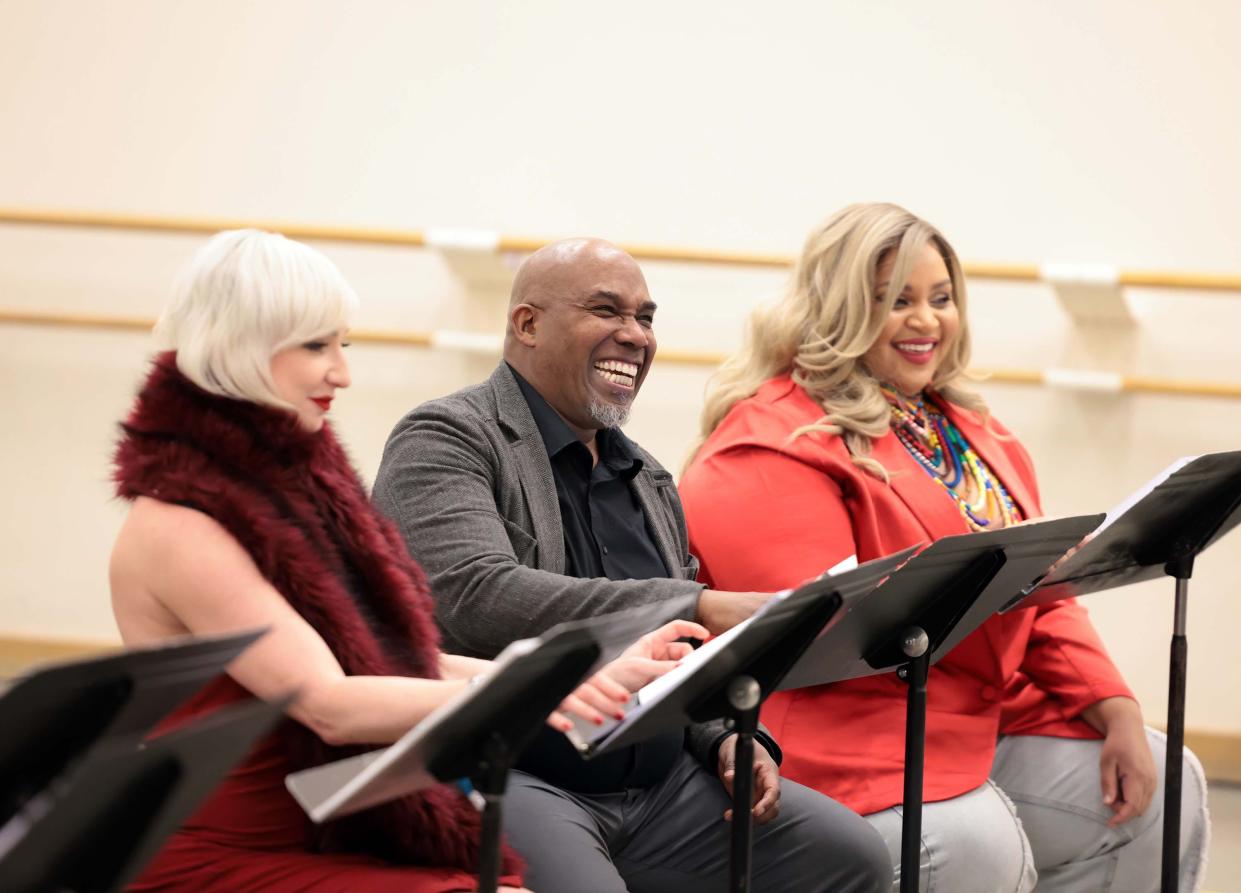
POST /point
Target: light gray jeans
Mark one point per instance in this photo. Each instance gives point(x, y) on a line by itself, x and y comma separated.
point(1040, 820)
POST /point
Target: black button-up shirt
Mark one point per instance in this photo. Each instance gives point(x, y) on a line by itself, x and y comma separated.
point(605, 532)
point(605, 535)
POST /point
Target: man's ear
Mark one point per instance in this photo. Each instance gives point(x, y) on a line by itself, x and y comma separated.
point(524, 320)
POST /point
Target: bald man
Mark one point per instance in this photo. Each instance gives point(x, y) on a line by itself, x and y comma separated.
point(527, 506)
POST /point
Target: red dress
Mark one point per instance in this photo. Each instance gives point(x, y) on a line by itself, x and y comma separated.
point(766, 512)
point(250, 834)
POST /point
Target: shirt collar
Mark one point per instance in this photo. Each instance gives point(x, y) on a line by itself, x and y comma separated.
point(615, 449)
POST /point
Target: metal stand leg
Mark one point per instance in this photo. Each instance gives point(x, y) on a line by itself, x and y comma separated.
point(491, 784)
point(744, 697)
point(1170, 876)
point(915, 645)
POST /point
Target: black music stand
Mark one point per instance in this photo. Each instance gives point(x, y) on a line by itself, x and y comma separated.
point(479, 734)
point(1158, 531)
point(96, 830)
point(919, 614)
point(732, 675)
point(54, 713)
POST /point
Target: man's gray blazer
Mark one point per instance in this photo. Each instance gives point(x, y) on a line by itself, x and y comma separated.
point(467, 479)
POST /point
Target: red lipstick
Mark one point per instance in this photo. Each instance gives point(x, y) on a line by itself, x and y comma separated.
point(920, 357)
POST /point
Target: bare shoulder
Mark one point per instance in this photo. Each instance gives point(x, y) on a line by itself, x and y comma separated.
point(157, 533)
point(165, 554)
point(153, 515)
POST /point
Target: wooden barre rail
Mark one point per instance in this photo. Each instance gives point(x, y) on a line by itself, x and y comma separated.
point(1106, 382)
point(523, 244)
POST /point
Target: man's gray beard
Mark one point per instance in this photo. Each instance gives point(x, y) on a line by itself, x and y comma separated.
point(609, 415)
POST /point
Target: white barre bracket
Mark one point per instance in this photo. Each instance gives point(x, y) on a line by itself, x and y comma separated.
point(1089, 293)
point(1084, 380)
point(469, 342)
point(475, 258)
point(459, 239)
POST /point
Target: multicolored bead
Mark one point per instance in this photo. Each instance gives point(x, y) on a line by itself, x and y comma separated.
point(940, 448)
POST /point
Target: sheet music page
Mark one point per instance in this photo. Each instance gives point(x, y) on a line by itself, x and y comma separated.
point(657, 688)
point(848, 564)
point(584, 734)
point(1141, 493)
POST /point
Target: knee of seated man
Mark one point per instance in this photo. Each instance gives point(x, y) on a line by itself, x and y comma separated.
point(870, 864)
point(830, 835)
point(874, 864)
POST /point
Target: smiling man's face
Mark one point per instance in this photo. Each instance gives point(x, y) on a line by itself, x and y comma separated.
point(589, 334)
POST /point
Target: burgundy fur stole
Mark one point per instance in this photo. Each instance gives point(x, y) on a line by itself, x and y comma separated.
point(295, 503)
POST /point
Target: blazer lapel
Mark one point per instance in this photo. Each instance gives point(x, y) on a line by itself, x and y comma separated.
point(533, 468)
point(646, 486)
point(925, 499)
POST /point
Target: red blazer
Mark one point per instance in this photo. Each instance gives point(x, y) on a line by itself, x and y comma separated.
point(766, 512)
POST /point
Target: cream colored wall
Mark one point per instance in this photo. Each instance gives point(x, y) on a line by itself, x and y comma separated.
point(1082, 132)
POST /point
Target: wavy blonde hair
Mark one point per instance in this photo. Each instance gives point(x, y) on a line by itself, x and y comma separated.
point(829, 317)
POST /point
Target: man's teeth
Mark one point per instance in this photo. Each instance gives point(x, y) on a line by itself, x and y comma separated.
point(916, 348)
point(617, 372)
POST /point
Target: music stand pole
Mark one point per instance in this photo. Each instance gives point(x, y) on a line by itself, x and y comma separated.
point(744, 699)
point(491, 782)
point(916, 645)
point(1181, 569)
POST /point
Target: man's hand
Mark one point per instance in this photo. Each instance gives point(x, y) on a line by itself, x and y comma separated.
point(720, 611)
point(654, 654)
point(766, 780)
point(607, 692)
point(1126, 767)
point(664, 644)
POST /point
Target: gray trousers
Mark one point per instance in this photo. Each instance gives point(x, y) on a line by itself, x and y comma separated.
point(1039, 823)
point(672, 838)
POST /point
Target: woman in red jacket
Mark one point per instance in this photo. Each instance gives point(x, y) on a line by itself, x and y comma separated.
point(843, 428)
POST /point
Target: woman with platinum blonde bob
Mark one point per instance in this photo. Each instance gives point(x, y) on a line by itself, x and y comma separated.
point(247, 513)
point(845, 427)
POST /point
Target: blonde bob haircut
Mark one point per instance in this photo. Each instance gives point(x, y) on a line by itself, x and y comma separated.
point(830, 316)
point(244, 297)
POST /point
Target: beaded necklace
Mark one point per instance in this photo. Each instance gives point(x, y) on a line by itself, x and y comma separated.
point(937, 445)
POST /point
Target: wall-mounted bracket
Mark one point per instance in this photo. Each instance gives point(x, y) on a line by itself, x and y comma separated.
point(1090, 293)
point(475, 257)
